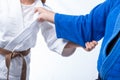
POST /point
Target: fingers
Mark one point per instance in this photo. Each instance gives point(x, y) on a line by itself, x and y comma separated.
point(36, 10)
point(45, 15)
point(40, 12)
point(90, 45)
point(95, 42)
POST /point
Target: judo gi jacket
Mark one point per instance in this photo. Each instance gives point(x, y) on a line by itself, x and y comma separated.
point(18, 32)
point(102, 22)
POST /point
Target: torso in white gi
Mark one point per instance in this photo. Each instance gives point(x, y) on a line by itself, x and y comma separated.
point(18, 32)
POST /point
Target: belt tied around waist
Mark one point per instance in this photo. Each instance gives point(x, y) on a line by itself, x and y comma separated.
point(10, 55)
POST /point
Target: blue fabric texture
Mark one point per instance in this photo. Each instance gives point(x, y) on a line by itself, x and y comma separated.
point(102, 22)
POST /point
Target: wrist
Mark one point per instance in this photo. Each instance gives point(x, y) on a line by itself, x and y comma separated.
point(50, 17)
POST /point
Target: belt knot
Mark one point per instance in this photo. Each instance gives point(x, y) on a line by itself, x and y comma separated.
point(11, 55)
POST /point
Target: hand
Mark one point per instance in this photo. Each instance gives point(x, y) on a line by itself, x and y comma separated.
point(88, 45)
point(45, 15)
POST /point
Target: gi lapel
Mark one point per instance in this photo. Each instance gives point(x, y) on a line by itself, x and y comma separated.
point(114, 53)
point(14, 14)
point(15, 11)
point(27, 31)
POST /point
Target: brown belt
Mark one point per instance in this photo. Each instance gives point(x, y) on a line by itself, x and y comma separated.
point(10, 55)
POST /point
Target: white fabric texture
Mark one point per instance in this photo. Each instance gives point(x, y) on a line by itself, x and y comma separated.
point(18, 32)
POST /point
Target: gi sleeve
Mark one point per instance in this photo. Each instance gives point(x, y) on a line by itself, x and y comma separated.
point(53, 43)
point(83, 28)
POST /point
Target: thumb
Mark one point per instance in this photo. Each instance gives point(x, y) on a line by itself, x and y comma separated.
point(35, 10)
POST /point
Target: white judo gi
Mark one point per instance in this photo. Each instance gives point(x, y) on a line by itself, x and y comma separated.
point(18, 32)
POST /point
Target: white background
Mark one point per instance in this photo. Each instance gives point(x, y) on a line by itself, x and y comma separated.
point(48, 65)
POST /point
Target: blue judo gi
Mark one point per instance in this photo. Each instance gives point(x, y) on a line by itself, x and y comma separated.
point(102, 22)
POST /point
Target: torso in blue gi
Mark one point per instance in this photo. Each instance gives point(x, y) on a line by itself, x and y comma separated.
point(109, 58)
point(102, 22)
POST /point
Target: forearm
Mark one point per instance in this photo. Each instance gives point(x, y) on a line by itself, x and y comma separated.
point(50, 16)
point(88, 45)
point(71, 45)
